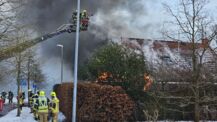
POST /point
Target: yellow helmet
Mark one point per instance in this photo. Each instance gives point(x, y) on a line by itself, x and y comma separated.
point(41, 93)
point(85, 11)
point(53, 94)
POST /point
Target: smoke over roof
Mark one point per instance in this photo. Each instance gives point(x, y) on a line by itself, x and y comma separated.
point(111, 18)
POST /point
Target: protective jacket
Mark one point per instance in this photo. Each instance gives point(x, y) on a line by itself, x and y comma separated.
point(35, 105)
point(42, 102)
point(54, 105)
point(31, 98)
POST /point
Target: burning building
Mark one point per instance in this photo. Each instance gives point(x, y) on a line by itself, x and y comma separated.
point(172, 53)
point(171, 63)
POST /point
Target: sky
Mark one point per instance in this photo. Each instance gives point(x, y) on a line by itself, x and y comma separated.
point(158, 15)
point(142, 19)
point(153, 17)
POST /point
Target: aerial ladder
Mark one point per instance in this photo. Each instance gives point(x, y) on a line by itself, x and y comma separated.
point(11, 51)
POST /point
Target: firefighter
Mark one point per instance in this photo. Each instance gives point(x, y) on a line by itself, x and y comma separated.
point(54, 107)
point(35, 106)
point(74, 17)
point(42, 102)
point(10, 97)
point(23, 97)
point(20, 100)
point(84, 14)
point(30, 97)
point(75, 13)
point(84, 20)
point(3, 95)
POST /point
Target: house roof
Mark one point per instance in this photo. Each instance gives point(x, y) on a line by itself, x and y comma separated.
point(160, 45)
point(176, 44)
point(166, 48)
point(157, 44)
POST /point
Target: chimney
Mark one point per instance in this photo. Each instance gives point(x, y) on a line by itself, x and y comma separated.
point(205, 43)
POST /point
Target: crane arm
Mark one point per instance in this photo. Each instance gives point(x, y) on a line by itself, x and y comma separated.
point(11, 51)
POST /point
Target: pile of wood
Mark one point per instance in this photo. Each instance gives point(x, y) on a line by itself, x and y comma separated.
point(97, 102)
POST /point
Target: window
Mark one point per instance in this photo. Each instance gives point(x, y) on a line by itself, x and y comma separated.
point(166, 59)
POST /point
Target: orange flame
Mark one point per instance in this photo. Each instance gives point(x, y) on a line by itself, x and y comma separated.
point(148, 80)
point(104, 76)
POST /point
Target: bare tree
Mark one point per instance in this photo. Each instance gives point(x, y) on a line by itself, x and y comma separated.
point(151, 116)
point(8, 19)
point(195, 26)
point(18, 36)
point(27, 67)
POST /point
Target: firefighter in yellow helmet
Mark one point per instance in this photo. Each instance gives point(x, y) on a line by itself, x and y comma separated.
point(84, 14)
point(54, 107)
point(42, 102)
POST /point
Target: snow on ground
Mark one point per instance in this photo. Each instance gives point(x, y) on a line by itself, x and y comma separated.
point(25, 116)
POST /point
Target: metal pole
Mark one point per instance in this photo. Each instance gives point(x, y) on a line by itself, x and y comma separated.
point(62, 65)
point(76, 63)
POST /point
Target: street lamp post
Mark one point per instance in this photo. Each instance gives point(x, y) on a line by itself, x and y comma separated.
point(76, 63)
point(61, 46)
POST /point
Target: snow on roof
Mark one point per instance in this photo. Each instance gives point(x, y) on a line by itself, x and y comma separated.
point(175, 52)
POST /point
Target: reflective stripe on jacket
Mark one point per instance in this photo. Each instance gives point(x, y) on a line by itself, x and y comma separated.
point(35, 105)
point(54, 105)
point(42, 104)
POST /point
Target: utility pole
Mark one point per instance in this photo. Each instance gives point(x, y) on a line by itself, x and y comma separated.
point(76, 63)
point(28, 77)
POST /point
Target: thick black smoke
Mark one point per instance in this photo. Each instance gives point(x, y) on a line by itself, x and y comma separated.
point(111, 18)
